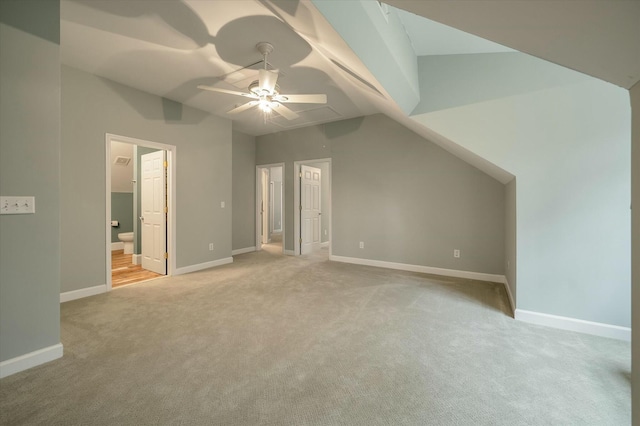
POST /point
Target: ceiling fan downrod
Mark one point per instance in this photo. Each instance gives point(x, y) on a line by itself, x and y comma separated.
point(264, 48)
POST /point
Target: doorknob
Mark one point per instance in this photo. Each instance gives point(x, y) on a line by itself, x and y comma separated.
point(142, 218)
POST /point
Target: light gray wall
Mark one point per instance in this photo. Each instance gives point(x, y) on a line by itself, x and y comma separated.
point(29, 165)
point(408, 200)
point(510, 236)
point(92, 107)
point(635, 250)
point(412, 202)
point(121, 176)
point(568, 144)
point(244, 190)
point(122, 211)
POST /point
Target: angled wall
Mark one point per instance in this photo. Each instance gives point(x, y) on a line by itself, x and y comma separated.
point(565, 136)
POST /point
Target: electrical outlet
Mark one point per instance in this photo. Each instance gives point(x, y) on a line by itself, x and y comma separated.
point(361, 244)
point(210, 246)
point(222, 204)
point(456, 253)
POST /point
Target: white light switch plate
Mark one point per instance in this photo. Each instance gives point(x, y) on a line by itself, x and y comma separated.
point(17, 205)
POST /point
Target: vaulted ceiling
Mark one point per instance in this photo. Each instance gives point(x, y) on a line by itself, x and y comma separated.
point(168, 48)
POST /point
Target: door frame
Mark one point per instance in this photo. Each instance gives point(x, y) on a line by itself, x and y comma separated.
point(172, 157)
point(259, 202)
point(296, 202)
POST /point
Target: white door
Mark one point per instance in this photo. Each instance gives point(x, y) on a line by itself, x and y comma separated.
point(309, 209)
point(265, 206)
point(154, 218)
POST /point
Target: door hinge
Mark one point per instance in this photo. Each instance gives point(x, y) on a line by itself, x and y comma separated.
point(300, 174)
point(300, 240)
point(165, 164)
point(166, 209)
point(166, 255)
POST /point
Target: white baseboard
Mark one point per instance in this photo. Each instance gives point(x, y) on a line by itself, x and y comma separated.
point(325, 244)
point(201, 266)
point(243, 250)
point(290, 252)
point(83, 292)
point(136, 259)
point(117, 246)
point(512, 302)
point(32, 359)
point(572, 324)
point(419, 268)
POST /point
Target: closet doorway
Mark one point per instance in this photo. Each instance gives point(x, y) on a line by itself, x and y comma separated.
point(270, 214)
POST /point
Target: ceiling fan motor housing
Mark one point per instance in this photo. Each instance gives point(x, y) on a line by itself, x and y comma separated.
point(254, 88)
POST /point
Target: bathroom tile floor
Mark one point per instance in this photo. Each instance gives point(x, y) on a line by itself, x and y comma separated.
point(124, 272)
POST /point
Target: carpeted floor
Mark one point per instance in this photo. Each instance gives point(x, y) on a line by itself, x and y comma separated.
point(279, 340)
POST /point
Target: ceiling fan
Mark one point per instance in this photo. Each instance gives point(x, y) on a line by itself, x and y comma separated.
point(265, 92)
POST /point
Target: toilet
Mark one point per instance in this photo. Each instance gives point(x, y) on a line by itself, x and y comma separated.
point(127, 239)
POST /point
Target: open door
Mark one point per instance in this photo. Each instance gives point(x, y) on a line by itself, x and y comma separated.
point(265, 206)
point(310, 213)
point(154, 212)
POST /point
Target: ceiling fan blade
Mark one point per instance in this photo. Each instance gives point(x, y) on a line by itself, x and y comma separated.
point(243, 107)
point(267, 80)
point(230, 92)
point(284, 111)
point(302, 99)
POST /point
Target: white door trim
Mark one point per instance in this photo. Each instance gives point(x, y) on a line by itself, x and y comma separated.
point(296, 203)
point(259, 202)
point(172, 157)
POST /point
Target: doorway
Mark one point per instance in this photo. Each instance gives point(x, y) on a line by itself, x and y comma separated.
point(312, 206)
point(140, 238)
point(270, 214)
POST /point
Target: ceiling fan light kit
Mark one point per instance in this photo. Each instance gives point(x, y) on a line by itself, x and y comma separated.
point(265, 92)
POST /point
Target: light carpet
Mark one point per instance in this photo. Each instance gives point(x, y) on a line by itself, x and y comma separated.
point(281, 340)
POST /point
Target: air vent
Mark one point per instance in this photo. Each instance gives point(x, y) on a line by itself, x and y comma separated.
point(121, 161)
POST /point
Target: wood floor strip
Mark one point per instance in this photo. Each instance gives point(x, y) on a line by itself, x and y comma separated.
point(124, 272)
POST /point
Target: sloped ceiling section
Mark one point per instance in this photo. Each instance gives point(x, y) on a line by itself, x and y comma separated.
point(378, 36)
point(599, 38)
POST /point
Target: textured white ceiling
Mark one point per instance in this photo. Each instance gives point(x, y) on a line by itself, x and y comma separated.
point(168, 48)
